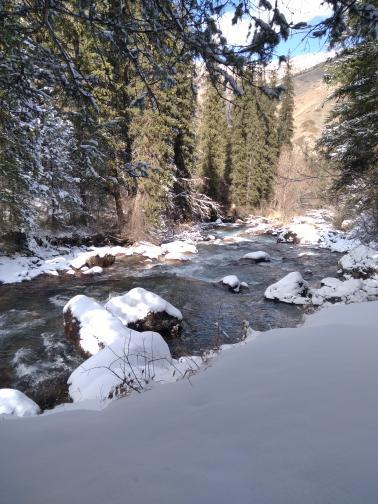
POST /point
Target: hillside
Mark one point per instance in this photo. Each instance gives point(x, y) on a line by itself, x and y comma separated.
point(311, 108)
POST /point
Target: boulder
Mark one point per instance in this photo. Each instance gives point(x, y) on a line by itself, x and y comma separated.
point(101, 261)
point(143, 310)
point(258, 256)
point(288, 237)
point(233, 283)
point(14, 402)
point(290, 289)
point(89, 325)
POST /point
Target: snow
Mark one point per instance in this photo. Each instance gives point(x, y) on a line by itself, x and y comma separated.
point(14, 402)
point(258, 256)
point(176, 256)
point(313, 228)
point(289, 417)
point(293, 289)
point(97, 325)
point(136, 304)
point(290, 289)
point(232, 281)
point(362, 260)
point(51, 261)
point(135, 362)
point(96, 270)
point(334, 289)
point(179, 247)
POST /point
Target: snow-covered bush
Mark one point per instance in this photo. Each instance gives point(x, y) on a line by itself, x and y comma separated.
point(14, 402)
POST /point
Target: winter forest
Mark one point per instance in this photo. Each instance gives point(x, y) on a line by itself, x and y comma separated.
point(131, 117)
point(188, 196)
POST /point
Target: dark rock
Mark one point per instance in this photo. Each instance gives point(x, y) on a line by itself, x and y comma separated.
point(288, 237)
point(104, 262)
point(166, 325)
point(14, 242)
point(72, 331)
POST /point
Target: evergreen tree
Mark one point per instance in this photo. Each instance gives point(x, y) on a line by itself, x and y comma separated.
point(213, 141)
point(267, 111)
point(247, 141)
point(286, 111)
point(350, 139)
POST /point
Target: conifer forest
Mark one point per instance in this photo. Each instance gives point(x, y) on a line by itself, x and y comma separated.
point(132, 117)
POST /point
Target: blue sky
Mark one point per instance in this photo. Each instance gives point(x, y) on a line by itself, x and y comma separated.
point(297, 46)
point(310, 11)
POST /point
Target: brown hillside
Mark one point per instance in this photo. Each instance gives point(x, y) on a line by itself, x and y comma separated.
point(311, 107)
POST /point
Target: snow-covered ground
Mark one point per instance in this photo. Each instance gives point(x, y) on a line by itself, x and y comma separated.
point(289, 416)
point(50, 260)
point(314, 228)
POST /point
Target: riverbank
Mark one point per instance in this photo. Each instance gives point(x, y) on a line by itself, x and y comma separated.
point(313, 228)
point(290, 416)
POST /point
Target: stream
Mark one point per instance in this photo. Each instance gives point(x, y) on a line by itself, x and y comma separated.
point(36, 359)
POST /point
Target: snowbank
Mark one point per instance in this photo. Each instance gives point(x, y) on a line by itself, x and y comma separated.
point(362, 261)
point(313, 228)
point(51, 261)
point(133, 362)
point(334, 290)
point(14, 402)
point(136, 304)
point(291, 417)
point(293, 289)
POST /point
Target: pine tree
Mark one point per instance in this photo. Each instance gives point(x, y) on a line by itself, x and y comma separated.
point(213, 141)
point(286, 111)
point(350, 138)
point(247, 145)
point(267, 111)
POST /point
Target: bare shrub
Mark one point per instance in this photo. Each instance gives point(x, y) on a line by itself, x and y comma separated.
point(301, 183)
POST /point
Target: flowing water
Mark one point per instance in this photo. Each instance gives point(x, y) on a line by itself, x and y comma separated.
point(36, 358)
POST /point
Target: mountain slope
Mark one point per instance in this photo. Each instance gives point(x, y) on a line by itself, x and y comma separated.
point(311, 107)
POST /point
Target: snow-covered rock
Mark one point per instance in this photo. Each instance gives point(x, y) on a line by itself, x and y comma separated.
point(96, 270)
point(232, 281)
point(146, 311)
point(146, 249)
point(335, 291)
point(14, 402)
point(258, 256)
point(179, 247)
point(176, 256)
point(290, 289)
point(90, 325)
point(288, 236)
point(360, 262)
point(133, 362)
